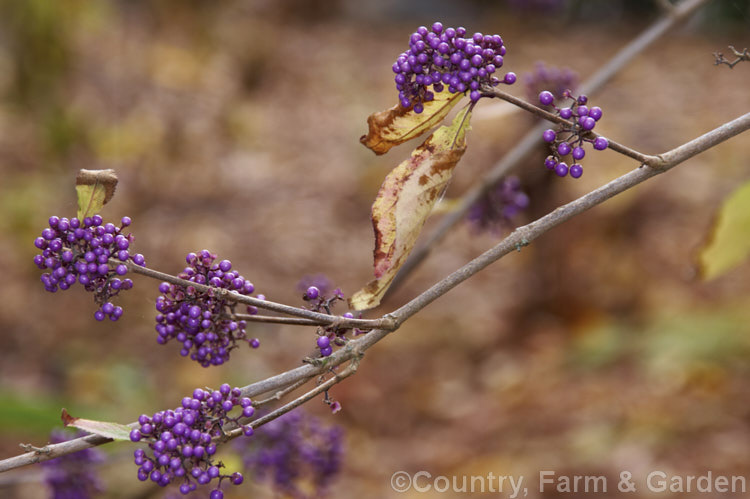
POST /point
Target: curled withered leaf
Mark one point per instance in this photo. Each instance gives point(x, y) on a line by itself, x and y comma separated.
point(94, 189)
point(398, 124)
point(404, 202)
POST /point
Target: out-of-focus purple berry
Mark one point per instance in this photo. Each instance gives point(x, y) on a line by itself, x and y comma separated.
point(576, 170)
point(549, 135)
point(600, 143)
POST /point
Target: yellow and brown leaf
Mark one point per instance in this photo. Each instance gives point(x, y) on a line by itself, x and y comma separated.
point(404, 202)
point(397, 125)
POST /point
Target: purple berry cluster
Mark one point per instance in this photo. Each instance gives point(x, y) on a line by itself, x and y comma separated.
point(72, 476)
point(204, 321)
point(442, 57)
point(181, 443)
point(294, 451)
point(80, 251)
point(499, 205)
point(551, 78)
point(330, 335)
point(570, 138)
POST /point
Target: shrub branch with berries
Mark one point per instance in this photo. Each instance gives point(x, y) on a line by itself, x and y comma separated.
point(209, 306)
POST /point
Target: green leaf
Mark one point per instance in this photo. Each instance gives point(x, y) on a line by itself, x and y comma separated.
point(115, 431)
point(729, 243)
point(404, 202)
point(397, 125)
point(94, 189)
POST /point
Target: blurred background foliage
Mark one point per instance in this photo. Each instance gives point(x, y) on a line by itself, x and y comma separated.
point(234, 126)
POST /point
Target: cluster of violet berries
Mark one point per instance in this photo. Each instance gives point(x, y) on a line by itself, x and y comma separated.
point(295, 451)
point(569, 139)
point(441, 58)
point(79, 251)
point(328, 336)
point(73, 476)
point(204, 321)
point(181, 444)
point(499, 205)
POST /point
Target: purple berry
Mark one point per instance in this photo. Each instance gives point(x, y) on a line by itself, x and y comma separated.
point(576, 170)
point(546, 98)
point(600, 143)
point(588, 123)
point(578, 153)
point(549, 135)
point(563, 149)
point(312, 293)
point(561, 169)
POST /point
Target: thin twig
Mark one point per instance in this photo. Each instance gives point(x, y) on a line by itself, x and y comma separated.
point(280, 394)
point(319, 318)
point(338, 322)
point(533, 138)
point(325, 386)
point(615, 146)
point(740, 56)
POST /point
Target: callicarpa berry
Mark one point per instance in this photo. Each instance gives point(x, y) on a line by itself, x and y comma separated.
point(440, 58)
point(576, 170)
point(181, 442)
point(320, 281)
point(548, 78)
point(80, 251)
point(546, 98)
point(328, 336)
point(570, 137)
point(203, 321)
